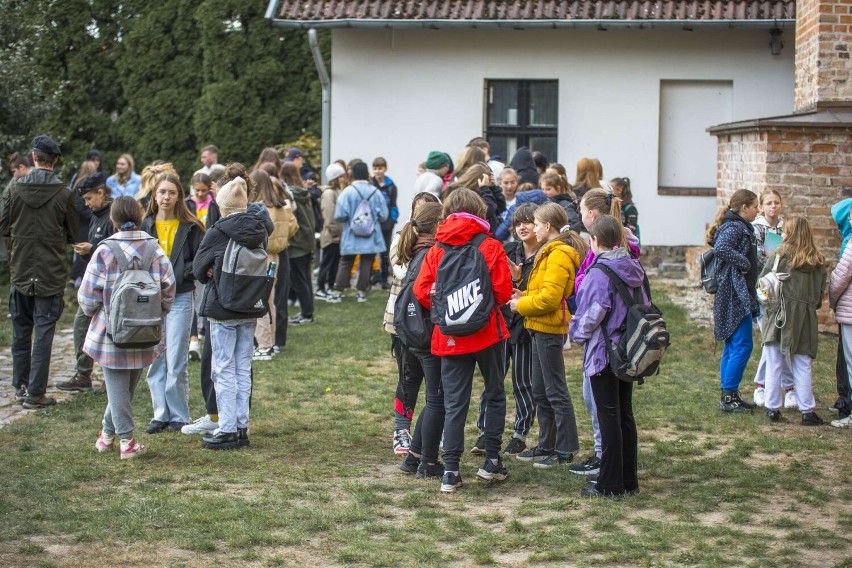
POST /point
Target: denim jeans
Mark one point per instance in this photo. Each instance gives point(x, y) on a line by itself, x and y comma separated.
point(735, 355)
point(589, 399)
point(167, 376)
point(31, 359)
point(233, 347)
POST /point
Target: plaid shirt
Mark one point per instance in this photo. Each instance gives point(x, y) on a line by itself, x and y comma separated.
point(96, 292)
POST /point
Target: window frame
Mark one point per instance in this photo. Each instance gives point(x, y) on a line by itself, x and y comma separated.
point(522, 131)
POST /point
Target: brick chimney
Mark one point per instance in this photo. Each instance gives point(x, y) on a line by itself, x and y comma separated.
point(823, 66)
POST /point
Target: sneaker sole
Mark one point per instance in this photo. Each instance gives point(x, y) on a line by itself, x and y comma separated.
point(102, 449)
point(134, 455)
point(74, 389)
point(30, 406)
point(587, 472)
point(489, 476)
point(541, 465)
point(533, 460)
point(477, 451)
point(194, 432)
point(262, 358)
point(450, 488)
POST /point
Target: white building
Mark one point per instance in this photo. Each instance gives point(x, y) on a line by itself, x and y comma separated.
point(637, 93)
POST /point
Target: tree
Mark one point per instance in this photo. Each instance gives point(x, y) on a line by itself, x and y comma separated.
point(261, 87)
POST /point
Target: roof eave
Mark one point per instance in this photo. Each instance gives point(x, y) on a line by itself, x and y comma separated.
point(526, 24)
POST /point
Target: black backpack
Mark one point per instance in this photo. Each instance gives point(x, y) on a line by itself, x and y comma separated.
point(644, 337)
point(463, 298)
point(410, 319)
point(709, 271)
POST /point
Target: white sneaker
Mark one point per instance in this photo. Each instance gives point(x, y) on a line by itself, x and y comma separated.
point(201, 425)
point(567, 345)
point(760, 396)
point(843, 422)
point(334, 297)
point(790, 400)
point(194, 351)
point(361, 297)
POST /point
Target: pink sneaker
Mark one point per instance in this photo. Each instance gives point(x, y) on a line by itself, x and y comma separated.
point(130, 449)
point(105, 443)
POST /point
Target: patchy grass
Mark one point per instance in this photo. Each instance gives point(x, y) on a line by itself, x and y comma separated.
point(320, 486)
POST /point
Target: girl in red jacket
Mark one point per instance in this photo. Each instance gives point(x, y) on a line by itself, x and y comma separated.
point(464, 211)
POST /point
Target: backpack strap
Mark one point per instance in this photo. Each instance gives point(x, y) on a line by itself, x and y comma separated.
point(123, 262)
point(148, 257)
point(620, 286)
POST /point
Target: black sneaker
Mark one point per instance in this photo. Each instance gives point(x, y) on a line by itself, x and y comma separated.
point(450, 482)
point(409, 464)
point(220, 441)
point(591, 491)
point(242, 437)
point(33, 402)
point(425, 471)
point(773, 415)
point(515, 446)
point(78, 383)
point(534, 455)
point(589, 467)
point(811, 419)
point(175, 426)
point(20, 394)
point(299, 319)
point(491, 472)
point(555, 459)
point(156, 427)
point(743, 403)
point(479, 447)
point(731, 403)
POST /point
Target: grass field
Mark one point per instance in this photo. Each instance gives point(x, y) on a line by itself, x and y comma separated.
point(319, 485)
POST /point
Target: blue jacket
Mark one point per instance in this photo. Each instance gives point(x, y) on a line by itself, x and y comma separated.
point(536, 196)
point(840, 213)
point(131, 188)
point(736, 252)
point(347, 203)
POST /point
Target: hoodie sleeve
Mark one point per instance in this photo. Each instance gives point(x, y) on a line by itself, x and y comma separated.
point(205, 257)
point(72, 221)
point(593, 304)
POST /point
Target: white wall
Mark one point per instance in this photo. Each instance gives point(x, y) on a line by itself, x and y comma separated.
point(402, 93)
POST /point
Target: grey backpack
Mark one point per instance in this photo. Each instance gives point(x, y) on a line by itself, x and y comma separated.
point(135, 316)
point(363, 224)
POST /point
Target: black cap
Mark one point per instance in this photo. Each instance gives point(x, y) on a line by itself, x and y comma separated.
point(94, 153)
point(43, 143)
point(360, 171)
point(309, 175)
point(91, 183)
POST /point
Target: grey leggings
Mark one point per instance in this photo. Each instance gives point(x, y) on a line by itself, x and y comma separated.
point(120, 385)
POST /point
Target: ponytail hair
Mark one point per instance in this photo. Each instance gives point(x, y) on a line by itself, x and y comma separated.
point(607, 230)
point(739, 199)
point(555, 216)
point(424, 222)
point(605, 203)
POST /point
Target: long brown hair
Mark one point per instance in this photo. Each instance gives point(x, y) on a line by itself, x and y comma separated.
point(587, 173)
point(464, 200)
point(739, 199)
point(605, 203)
point(424, 221)
point(555, 181)
point(181, 210)
point(799, 244)
point(268, 154)
point(470, 178)
point(555, 216)
point(125, 209)
point(264, 189)
point(290, 175)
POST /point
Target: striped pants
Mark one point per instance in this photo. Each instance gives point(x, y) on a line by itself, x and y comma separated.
point(521, 355)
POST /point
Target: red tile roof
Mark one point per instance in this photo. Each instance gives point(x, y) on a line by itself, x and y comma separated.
point(534, 10)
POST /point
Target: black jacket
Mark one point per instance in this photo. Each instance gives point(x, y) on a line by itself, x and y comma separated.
point(495, 204)
point(515, 321)
point(251, 230)
point(100, 227)
point(523, 163)
point(187, 240)
point(389, 191)
point(575, 221)
point(213, 213)
point(40, 216)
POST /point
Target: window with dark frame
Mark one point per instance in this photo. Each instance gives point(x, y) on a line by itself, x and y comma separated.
point(522, 113)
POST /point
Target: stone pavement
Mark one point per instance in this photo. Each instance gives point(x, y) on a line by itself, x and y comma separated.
point(61, 369)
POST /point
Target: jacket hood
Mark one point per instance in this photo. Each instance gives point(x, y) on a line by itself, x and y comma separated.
point(522, 162)
point(761, 220)
point(459, 228)
point(840, 213)
point(562, 197)
point(247, 229)
point(38, 187)
point(626, 267)
point(560, 244)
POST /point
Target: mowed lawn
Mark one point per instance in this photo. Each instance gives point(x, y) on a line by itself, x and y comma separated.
point(320, 486)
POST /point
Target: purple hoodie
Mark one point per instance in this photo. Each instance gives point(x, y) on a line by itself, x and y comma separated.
point(632, 244)
point(595, 300)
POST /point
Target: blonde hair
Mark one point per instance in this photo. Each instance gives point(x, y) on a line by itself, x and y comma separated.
point(131, 167)
point(149, 177)
point(739, 199)
point(555, 181)
point(554, 215)
point(87, 168)
point(766, 193)
point(588, 173)
point(605, 203)
point(799, 244)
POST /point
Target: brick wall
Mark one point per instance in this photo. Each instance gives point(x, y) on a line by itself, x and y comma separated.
point(823, 65)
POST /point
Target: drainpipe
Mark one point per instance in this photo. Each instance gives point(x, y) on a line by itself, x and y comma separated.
point(326, 100)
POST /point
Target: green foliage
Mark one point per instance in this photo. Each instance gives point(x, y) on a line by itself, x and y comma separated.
point(310, 145)
point(156, 79)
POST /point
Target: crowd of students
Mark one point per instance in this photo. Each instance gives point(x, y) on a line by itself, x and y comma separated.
point(757, 249)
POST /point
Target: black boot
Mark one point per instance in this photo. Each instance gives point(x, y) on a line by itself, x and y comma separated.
point(730, 402)
point(742, 402)
point(242, 437)
point(220, 441)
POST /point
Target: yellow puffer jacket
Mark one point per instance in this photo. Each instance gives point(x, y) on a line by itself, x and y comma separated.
point(551, 280)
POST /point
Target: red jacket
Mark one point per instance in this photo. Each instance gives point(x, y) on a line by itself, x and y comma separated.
point(458, 230)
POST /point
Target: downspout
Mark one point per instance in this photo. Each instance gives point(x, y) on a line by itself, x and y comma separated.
point(326, 100)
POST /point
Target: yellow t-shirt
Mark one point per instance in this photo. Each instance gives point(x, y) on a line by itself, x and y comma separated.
point(166, 231)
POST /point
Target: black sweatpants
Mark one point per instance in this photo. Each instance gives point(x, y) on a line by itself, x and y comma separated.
point(300, 280)
point(282, 291)
point(457, 378)
point(409, 378)
point(614, 402)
